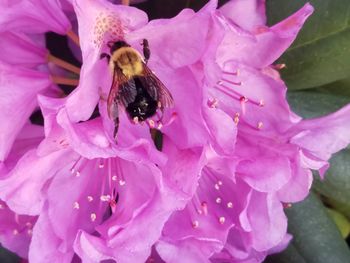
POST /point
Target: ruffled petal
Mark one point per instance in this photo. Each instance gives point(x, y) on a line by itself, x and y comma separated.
point(17, 49)
point(247, 14)
point(263, 47)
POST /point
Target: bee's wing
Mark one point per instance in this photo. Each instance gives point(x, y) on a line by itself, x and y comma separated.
point(156, 89)
point(122, 92)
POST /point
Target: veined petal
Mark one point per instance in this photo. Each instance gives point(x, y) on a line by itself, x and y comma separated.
point(33, 16)
point(19, 88)
point(18, 49)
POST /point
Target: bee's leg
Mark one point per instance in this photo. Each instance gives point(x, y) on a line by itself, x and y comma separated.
point(114, 115)
point(116, 127)
point(105, 55)
point(146, 50)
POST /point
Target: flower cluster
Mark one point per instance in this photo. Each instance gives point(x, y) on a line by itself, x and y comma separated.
point(233, 155)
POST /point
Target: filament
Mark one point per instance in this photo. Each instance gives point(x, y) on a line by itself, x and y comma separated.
point(63, 64)
point(65, 81)
point(74, 37)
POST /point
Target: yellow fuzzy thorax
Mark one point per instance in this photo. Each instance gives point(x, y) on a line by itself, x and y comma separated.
point(128, 60)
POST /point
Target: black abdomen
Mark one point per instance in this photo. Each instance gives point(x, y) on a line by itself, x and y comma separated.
point(143, 106)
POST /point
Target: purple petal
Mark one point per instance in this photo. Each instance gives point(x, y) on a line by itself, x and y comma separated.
point(247, 14)
point(34, 16)
point(18, 100)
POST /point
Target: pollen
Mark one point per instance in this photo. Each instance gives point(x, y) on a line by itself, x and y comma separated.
point(108, 27)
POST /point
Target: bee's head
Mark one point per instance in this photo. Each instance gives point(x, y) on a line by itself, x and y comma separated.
point(115, 45)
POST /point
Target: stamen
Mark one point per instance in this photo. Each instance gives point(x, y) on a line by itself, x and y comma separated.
point(65, 81)
point(125, 2)
point(63, 64)
point(229, 205)
point(74, 37)
point(232, 82)
point(218, 200)
point(222, 220)
point(90, 198)
point(231, 73)
point(260, 125)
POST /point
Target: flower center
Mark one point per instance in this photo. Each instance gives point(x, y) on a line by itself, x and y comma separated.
point(230, 87)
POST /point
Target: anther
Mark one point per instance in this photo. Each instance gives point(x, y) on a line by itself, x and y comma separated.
point(217, 187)
point(105, 198)
point(77, 174)
point(114, 178)
point(222, 220)
point(93, 217)
point(76, 205)
point(195, 224)
point(28, 224)
point(287, 205)
point(30, 232)
point(229, 205)
point(236, 118)
point(260, 125)
point(212, 103)
point(1, 206)
point(122, 182)
point(135, 120)
point(218, 200)
point(15, 232)
point(204, 206)
point(90, 198)
point(261, 103)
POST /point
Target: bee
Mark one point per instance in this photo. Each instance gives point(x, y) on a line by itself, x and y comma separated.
point(135, 88)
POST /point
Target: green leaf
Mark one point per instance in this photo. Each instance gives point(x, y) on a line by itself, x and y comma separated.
point(315, 236)
point(341, 221)
point(321, 54)
point(311, 104)
point(7, 256)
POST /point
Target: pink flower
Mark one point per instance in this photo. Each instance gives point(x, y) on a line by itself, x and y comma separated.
point(233, 152)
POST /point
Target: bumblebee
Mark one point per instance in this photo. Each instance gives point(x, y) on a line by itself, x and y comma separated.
point(135, 88)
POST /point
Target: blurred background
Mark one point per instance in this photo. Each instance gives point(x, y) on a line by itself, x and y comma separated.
point(317, 74)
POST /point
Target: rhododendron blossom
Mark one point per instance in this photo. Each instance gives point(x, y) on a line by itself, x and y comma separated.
point(232, 154)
